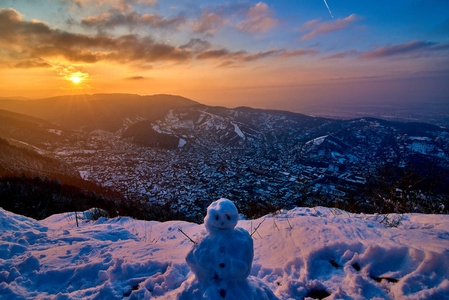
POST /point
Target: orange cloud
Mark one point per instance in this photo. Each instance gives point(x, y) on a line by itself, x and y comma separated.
point(208, 23)
point(36, 41)
point(35, 44)
point(259, 19)
point(136, 78)
point(318, 28)
point(298, 52)
point(197, 45)
point(245, 18)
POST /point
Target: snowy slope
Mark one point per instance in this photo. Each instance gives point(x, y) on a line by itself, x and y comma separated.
point(299, 253)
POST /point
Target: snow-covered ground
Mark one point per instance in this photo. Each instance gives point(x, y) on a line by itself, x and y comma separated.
point(303, 252)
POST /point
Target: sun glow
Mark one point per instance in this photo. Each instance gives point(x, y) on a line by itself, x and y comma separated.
point(76, 79)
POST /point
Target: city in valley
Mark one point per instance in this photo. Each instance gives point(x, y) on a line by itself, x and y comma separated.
point(264, 160)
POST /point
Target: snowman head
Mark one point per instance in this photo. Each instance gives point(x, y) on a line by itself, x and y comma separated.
point(221, 215)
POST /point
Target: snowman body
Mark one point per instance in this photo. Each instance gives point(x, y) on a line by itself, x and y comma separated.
point(221, 259)
point(222, 263)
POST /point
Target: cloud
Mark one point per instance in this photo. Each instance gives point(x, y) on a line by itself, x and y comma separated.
point(36, 40)
point(250, 19)
point(121, 3)
point(31, 63)
point(412, 48)
point(110, 20)
point(344, 54)
point(135, 78)
point(310, 24)
point(208, 23)
point(317, 28)
point(68, 72)
point(259, 19)
point(26, 44)
point(229, 64)
point(217, 54)
point(297, 52)
point(197, 45)
point(146, 2)
point(260, 55)
point(235, 56)
point(16, 60)
point(227, 58)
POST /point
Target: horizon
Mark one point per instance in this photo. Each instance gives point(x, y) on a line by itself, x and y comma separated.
point(431, 113)
point(305, 57)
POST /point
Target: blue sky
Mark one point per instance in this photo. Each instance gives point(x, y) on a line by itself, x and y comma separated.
point(260, 53)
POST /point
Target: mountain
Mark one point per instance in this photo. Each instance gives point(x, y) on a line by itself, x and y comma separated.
point(216, 127)
point(299, 136)
point(15, 161)
point(266, 160)
point(183, 153)
point(99, 111)
point(27, 150)
point(30, 132)
point(25, 143)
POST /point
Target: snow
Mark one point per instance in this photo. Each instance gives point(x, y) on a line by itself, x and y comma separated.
point(173, 121)
point(84, 174)
point(55, 131)
point(420, 138)
point(181, 143)
point(296, 253)
point(67, 153)
point(238, 131)
point(423, 147)
point(38, 150)
point(317, 141)
point(212, 121)
point(157, 128)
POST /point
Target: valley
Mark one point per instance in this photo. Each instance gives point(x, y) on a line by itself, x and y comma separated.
point(263, 160)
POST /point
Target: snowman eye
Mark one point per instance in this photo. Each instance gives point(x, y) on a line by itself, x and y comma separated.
point(229, 218)
point(216, 218)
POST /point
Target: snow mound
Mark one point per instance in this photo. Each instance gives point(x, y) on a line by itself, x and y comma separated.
point(305, 252)
point(12, 222)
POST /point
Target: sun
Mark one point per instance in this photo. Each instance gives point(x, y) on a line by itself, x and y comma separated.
point(76, 79)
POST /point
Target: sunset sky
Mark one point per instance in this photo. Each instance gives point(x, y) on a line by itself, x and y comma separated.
point(273, 54)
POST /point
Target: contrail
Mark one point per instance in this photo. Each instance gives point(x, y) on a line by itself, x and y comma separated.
point(329, 10)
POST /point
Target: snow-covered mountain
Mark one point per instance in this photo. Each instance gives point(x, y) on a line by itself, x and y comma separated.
point(205, 127)
point(305, 252)
point(368, 157)
point(217, 127)
point(165, 149)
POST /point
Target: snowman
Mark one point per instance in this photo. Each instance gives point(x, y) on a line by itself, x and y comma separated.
point(221, 259)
